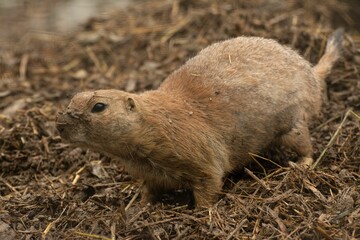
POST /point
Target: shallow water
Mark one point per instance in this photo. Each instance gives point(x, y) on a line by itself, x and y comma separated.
point(18, 17)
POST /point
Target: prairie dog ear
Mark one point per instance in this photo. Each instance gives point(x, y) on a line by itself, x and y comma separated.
point(130, 104)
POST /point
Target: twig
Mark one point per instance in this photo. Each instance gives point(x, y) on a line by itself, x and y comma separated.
point(181, 234)
point(331, 142)
point(314, 190)
point(190, 217)
point(327, 121)
point(279, 197)
point(280, 223)
point(71, 65)
point(154, 223)
point(296, 166)
point(264, 158)
point(23, 66)
point(175, 29)
point(257, 162)
point(92, 236)
point(256, 228)
point(136, 216)
point(262, 183)
point(113, 231)
point(134, 198)
point(236, 229)
point(10, 186)
point(94, 59)
point(77, 176)
point(355, 115)
point(51, 224)
point(323, 233)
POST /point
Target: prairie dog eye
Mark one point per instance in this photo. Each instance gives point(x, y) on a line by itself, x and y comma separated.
point(98, 107)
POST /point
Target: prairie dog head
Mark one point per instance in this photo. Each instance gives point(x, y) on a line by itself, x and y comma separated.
point(101, 120)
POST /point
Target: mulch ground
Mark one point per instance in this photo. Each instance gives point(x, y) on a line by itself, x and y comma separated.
point(51, 190)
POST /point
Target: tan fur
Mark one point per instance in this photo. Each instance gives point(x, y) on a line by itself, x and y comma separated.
point(332, 54)
point(234, 98)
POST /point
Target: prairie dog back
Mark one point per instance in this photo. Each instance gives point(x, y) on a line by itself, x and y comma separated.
point(248, 67)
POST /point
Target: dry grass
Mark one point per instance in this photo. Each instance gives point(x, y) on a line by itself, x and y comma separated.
point(52, 191)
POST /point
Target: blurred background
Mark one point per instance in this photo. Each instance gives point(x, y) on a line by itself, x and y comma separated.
point(18, 17)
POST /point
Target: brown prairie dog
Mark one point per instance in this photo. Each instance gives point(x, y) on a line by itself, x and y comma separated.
point(235, 97)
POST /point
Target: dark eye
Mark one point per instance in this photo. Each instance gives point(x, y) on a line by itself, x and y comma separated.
point(98, 107)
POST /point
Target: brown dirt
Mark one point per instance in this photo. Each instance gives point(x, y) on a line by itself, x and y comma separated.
point(51, 190)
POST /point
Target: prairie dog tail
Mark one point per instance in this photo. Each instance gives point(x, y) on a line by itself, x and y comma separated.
point(332, 54)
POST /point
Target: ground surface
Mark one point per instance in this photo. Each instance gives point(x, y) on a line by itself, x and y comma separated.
point(54, 191)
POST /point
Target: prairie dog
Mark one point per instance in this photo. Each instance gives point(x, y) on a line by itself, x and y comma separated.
point(235, 97)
